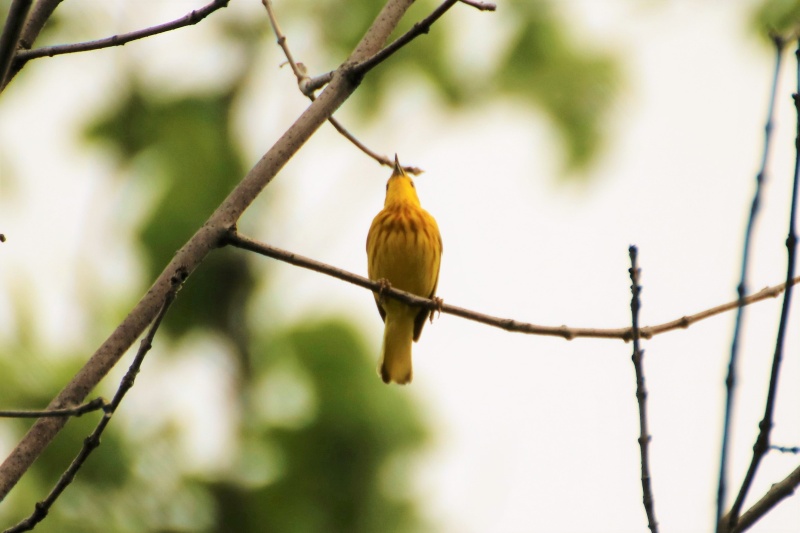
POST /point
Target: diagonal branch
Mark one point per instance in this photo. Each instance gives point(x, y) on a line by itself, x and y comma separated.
point(777, 493)
point(761, 447)
point(416, 30)
point(88, 407)
point(641, 395)
point(189, 19)
point(310, 85)
point(479, 5)
point(730, 381)
point(568, 333)
point(36, 20)
point(33, 26)
point(9, 39)
point(93, 441)
point(344, 82)
point(23, 56)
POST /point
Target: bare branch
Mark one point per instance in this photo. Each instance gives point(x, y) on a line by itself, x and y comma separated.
point(730, 381)
point(307, 88)
point(91, 442)
point(93, 405)
point(479, 5)
point(311, 85)
point(761, 447)
point(189, 19)
point(206, 239)
point(641, 395)
point(625, 334)
point(33, 26)
point(9, 39)
point(416, 30)
point(778, 492)
point(299, 71)
point(785, 449)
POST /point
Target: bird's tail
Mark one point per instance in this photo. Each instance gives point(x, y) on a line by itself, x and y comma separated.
point(395, 363)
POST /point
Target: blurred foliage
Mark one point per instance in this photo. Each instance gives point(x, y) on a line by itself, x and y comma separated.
point(186, 141)
point(318, 440)
point(542, 66)
point(778, 17)
point(335, 428)
point(574, 87)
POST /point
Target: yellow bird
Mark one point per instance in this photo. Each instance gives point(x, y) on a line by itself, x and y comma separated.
point(404, 248)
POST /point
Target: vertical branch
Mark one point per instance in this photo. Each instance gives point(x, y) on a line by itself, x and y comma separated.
point(730, 380)
point(761, 446)
point(641, 395)
point(12, 30)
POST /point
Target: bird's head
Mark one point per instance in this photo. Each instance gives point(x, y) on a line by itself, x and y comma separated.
point(400, 187)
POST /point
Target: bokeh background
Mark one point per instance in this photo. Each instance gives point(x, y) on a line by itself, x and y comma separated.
point(553, 135)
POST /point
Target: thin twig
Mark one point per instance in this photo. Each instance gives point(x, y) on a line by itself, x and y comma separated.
point(730, 381)
point(189, 19)
point(9, 39)
point(785, 449)
point(479, 5)
point(311, 85)
point(761, 447)
point(299, 71)
point(240, 241)
point(94, 405)
point(91, 442)
point(416, 30)
point(641, 395)
point(777, 492)
point(307, 87)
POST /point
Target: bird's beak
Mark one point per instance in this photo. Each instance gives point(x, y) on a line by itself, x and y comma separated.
point(398, 170)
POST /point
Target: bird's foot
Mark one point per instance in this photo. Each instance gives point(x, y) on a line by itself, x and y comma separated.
point(438, 310)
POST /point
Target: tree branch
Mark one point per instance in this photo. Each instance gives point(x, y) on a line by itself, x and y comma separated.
point(238, 240)
point(785, 449)
point(778, 492)
point(93, 405)
point(416, 30)
point(33, 26)
point(730, 381)
point(641, 395)
point(36, 21)
point(761, 447)
point(302, 83)
point(206, 239)
point(479, 5)
point(189, 19)
point(9, 39)
point(310, 85)
point(91, 442)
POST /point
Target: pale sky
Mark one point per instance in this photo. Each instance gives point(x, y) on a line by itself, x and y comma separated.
point(532, 433)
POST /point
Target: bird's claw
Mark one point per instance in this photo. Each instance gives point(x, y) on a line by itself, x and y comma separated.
point(383, 286)
point(439, 303)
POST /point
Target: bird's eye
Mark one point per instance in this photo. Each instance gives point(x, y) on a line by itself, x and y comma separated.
point(412, 184)
point(387, 186)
